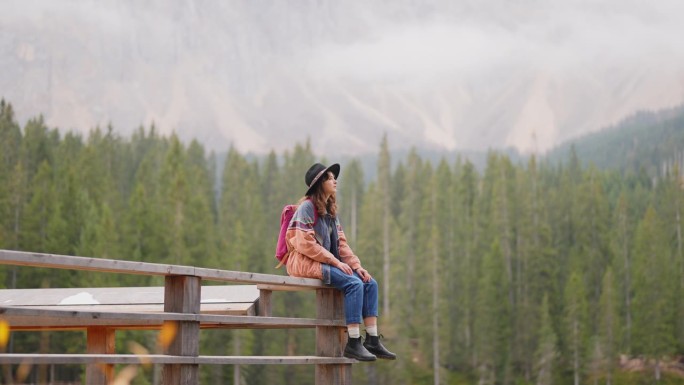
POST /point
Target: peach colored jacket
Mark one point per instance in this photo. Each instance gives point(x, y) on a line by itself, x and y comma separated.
point(307, 255)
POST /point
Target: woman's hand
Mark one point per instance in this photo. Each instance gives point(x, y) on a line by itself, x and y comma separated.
point(365, 275)
point(345, 268)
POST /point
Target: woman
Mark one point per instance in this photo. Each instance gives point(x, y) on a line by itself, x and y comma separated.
point(319, 250)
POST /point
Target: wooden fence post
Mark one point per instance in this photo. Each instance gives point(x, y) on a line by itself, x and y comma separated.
point(100, 340)
point(330, 341)
point(182, 294)
point(265, 307)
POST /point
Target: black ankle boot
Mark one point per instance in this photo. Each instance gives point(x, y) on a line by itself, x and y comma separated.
point(373, 345)
point(355, 350)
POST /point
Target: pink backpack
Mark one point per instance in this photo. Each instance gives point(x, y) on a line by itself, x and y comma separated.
point(282, 250)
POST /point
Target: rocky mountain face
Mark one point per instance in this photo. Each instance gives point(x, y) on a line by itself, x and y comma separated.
point(262, 75)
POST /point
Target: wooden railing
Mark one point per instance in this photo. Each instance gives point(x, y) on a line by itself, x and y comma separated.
point(182, 306)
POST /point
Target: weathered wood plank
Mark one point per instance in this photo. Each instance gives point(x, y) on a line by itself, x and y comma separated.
point(272, 360)
point(132, 359)
point(257, 278)
point(31, 318)
point(265, 307)
point(182, 294)
point(23, 258)
point(214, 308)
point(100, 340)
point(120, 295)
point(330, 341)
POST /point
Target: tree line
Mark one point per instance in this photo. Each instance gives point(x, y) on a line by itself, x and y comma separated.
point(520, 273)
point(651, 140)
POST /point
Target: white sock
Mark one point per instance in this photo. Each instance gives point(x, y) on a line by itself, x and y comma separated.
point(372, 330)
point(353, 331)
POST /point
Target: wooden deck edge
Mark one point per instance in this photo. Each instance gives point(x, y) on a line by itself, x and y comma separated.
point(56, 261)
point(132, 359)
point(27, 318)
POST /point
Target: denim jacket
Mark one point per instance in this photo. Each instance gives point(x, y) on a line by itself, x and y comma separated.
point(308, 242)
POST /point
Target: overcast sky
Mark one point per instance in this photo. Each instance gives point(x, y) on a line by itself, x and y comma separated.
point(463, 55)
point(631, 47)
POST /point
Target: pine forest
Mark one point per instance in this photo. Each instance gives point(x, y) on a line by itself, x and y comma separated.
point(516, 272)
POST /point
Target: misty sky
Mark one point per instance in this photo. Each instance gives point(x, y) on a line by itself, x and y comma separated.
point(584, 42)
point(471, 73)
point(555, 36)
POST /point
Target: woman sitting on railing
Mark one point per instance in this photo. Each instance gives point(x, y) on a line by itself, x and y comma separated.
point(319, 250)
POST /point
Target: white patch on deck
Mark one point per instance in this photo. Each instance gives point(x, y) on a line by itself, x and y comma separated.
point(82, 298)
point(214, 300)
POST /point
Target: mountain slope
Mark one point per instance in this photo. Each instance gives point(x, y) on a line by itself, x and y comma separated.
point(653, 141)
point(434, 74)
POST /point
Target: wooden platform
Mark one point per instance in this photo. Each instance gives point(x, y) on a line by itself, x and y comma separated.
point(183, 300)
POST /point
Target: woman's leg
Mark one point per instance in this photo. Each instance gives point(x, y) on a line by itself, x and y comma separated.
point(353, 290)
point(370, 302)
point(370, 319)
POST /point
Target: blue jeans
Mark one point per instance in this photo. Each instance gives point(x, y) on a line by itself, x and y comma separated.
point(360, 298)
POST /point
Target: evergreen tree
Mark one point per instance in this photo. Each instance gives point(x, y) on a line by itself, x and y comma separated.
point(670, 207)
point(384, 173)
point(497, 221)
point(36, 146)
point(370, 228)
point(591, 248)
point(410, 222)
point(38, 210)
point(654, 285)
point(576, 325)
point(68, 184)
point(492, 325)
point(535, 268)
point(441, 247)
point(144, 228)
point(466, 263)
point(174, 195)
point(200, 220)
point(608, 329)
point(10, 142)
point(273, 198)
point(350, 199)
point(547, 351)
point(17, 188)
point(621, 243)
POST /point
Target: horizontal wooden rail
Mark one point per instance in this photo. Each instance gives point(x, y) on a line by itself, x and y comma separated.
point(26, 318)
point(23, 258)
point(223, 299)
point(141, 359)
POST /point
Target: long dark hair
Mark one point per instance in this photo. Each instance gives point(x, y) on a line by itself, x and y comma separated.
point(318, 198)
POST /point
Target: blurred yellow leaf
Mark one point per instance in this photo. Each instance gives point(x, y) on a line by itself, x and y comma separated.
point(139, 351)
point(167, 334)
point(23, 371)
point(126, 375)
point(4, 333)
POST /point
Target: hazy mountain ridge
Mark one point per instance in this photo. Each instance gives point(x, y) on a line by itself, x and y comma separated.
point(262, 76)
point(650, 141)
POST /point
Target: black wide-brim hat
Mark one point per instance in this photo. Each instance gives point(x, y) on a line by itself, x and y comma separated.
point(315, 172)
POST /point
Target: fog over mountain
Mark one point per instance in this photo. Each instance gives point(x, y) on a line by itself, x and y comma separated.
point(262, 75)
